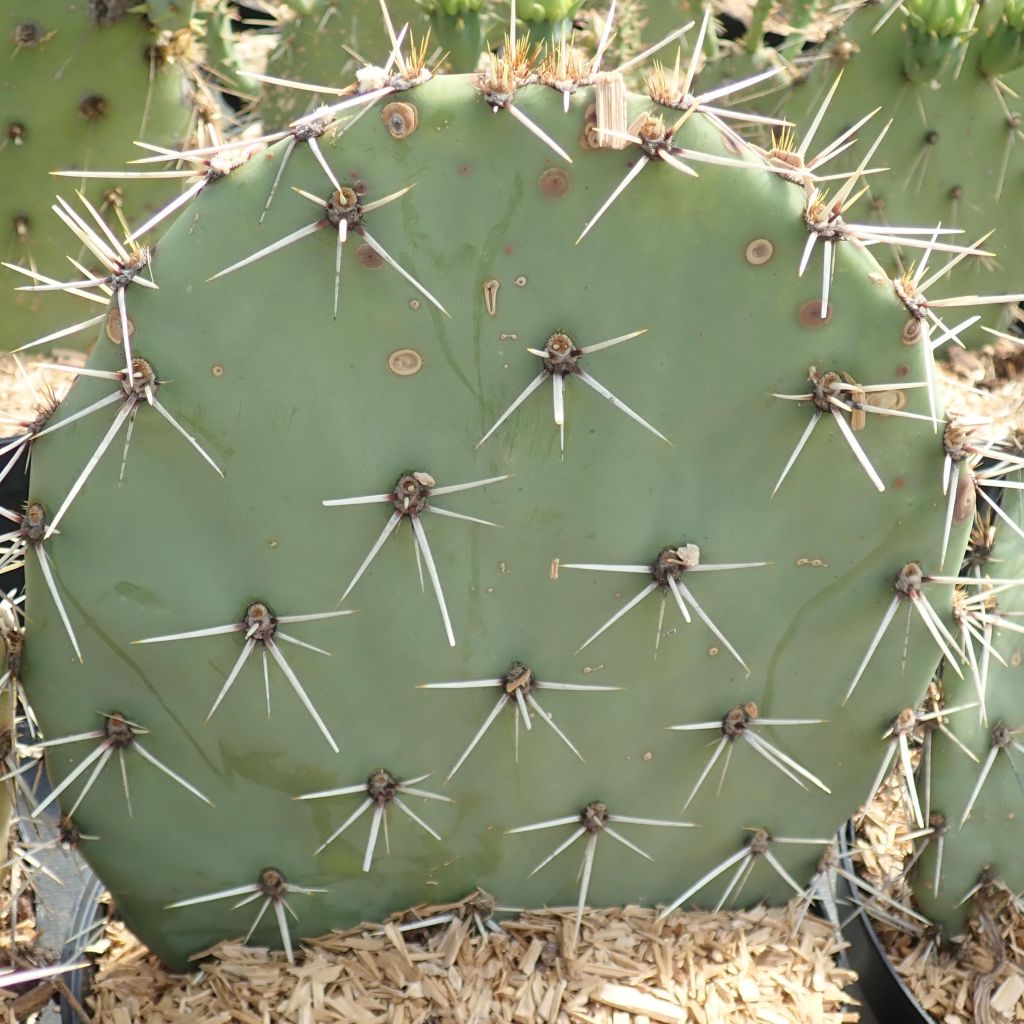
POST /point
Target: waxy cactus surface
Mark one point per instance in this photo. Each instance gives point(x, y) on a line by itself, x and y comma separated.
point(621, 536)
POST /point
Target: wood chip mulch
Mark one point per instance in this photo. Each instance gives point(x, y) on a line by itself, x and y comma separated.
point(750, 967)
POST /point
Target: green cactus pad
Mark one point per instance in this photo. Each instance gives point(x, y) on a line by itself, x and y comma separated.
point(75, 93)
point(955, 151)
point(984, 843)
point(394, 401)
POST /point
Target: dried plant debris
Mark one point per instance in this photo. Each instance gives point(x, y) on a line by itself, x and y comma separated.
point(745, 966)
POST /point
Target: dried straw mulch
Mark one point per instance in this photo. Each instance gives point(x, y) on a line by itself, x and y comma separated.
point(751, 967)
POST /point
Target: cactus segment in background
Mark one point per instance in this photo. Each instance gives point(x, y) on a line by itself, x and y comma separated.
point(79, 83)
point(949, 76)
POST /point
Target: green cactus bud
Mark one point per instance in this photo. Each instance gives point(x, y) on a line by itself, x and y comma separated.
point(940, 17)
point(1003, 49)
point(551, 11)
point(452, 8)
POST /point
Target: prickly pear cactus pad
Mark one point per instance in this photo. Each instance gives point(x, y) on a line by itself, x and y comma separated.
point(976, 787)
point(950, 78)
point(539, 474)
point(79, 83)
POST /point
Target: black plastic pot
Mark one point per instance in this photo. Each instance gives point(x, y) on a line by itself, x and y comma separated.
point(68, 899)
point(87, 911)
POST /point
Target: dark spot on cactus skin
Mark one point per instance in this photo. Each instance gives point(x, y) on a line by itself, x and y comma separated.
point(19, 227)
point(809, 314)
point(33, 523)
point(400, 119)
point(93, 107)
point(554, 183)
point(272, 884)
point(118, 731)
point(381, 786)
point(369, 258)
point(956, 192)
point(27, 34)
point(902, 370)
point(931, 138)
point(16, 133)
point(899, 483)
point(260, 623)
